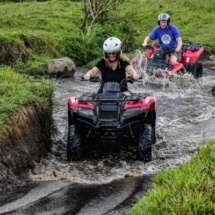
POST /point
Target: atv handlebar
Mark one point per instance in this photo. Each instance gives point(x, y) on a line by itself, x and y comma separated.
point(94, 79)
point(149, 47)
point(130, 79)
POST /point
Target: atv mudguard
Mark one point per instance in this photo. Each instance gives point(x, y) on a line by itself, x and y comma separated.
point(191, 55)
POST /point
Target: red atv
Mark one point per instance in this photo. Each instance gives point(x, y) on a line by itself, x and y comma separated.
point(157, 61)
point(111, 120)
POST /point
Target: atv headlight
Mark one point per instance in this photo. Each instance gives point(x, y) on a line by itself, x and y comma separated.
point(85, 112)
point(132, 112)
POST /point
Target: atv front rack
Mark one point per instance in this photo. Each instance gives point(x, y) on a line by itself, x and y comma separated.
point(89, 97)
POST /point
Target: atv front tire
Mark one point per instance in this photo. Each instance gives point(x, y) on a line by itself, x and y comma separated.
point(74, 150)
point(152, 122)
point(153, 134)
point(198, 70)
point(144, 148)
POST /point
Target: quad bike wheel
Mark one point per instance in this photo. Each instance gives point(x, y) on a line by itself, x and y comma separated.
point(153, 134)
point(74, 150)
point(152, 122)
point(196, 69)
point(144, 148)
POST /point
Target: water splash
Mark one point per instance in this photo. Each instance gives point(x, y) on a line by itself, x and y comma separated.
point(202, 114)
point(175, 83)
point(98, 171)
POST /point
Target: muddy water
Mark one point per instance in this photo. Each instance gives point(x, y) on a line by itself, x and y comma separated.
point(185, 118)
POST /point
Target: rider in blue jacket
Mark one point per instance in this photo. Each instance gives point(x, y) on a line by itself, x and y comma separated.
point(168, 36)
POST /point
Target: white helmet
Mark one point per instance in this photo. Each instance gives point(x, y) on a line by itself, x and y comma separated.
point(112, 44)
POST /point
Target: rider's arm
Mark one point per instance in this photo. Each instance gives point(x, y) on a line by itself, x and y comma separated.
point(178, 48)
point(130, 70)
point(146, 40)
point(91, 73)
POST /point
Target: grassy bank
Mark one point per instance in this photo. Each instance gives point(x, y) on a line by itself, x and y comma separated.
point(187, 189)
point(16, 90)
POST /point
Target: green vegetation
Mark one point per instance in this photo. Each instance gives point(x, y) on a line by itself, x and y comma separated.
point(16, 90)
point(188, 189)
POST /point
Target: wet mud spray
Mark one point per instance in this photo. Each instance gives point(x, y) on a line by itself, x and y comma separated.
point(185, 118)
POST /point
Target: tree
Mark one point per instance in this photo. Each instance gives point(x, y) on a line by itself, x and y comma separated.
point(95, 8)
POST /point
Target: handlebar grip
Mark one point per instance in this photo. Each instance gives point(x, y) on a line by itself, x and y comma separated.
point(92, 79)
point(95, 79)
point(149, 47)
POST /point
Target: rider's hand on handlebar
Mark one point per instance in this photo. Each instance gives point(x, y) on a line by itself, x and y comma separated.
point(136, 77)
point(87, 77)
point(177, 50)
point(144, 45)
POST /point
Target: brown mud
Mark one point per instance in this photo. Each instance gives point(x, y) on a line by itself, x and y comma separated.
point(26, 142)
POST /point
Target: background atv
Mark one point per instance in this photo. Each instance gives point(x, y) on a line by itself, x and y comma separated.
point(111, 120)
point(158, 61)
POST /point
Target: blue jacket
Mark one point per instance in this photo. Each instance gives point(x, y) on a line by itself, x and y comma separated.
point(166, 37)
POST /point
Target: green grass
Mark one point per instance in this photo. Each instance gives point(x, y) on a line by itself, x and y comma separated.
point(17, 90)
point(42, 29)
point(188, 189)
